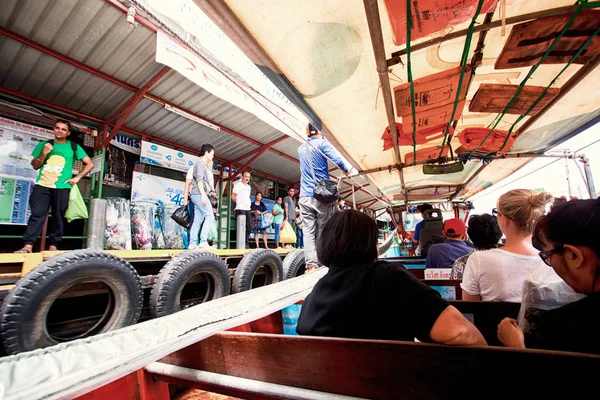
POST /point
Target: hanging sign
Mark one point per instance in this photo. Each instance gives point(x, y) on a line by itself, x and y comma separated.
point(155, 154)
point(126, 143)
point(169, 52)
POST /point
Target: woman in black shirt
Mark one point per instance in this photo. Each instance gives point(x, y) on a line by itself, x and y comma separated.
point(363, 298)
point(258, 211)
point(568, 235)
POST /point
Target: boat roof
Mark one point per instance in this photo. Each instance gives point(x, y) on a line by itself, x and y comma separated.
point(325, 50)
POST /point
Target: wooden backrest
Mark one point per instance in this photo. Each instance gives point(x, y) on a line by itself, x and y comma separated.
point(486, 315)
point(388, 369)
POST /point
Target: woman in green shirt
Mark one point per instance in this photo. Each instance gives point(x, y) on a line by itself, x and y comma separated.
point(277, 219)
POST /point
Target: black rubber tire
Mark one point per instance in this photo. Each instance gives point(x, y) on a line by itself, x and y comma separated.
point(165, 297)
point(251, 262)
point(294, 264)
point(24, 311)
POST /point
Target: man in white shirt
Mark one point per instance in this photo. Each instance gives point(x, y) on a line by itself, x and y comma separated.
point(241, 197)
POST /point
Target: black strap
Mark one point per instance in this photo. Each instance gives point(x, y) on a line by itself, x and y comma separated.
point(73, 147)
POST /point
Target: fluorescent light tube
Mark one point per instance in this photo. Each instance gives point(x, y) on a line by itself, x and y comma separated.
point(192, 117)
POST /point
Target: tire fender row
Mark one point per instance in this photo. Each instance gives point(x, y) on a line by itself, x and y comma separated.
point(188, 279)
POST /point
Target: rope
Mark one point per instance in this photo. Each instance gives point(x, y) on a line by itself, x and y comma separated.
point(410, 80)
point(531, 71)
point(596, 32)
point(463, 62)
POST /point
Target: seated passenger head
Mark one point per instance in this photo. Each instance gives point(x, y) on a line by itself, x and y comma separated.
point(484, 231)
point(424, 207)
point(455, 229)
point(569, 237)
point(348, 238)
point(519, 210)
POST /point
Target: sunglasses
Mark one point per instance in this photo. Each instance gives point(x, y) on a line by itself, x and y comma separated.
point(545, 255)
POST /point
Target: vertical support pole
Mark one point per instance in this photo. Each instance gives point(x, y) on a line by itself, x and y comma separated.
point(591, 187)
point(353, 199)
point(220, 212)
point(44, 233)
point(568, 178)
point(240, 237)
point(229, 190)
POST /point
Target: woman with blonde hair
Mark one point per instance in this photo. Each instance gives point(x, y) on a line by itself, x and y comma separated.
point(499, 274)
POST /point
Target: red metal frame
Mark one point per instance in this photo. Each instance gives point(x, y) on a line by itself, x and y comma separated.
point(77, 114)
point(125, 85)
point(135, 100)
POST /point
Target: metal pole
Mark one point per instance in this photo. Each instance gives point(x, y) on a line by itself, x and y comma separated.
point(353, 198)
point(220, 211)
point(588, 177)
point(258, 388)
point(229, 189)
point(568, 178)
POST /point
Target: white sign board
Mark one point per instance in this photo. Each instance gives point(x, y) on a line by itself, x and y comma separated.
point(155, 154)
point(156, 190)
point(438, 273)
point(169, 52)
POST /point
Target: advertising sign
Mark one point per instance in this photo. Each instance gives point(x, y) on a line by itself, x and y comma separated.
point(154, 189)
point(14, 200)
point(126, 143)
point(155, 154)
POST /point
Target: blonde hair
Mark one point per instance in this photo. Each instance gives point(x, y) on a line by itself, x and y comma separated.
point(524, 207)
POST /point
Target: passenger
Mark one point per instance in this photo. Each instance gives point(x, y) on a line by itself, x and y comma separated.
point(299, 228)
point(499, 274)
point(314, 212)
point(342, 205)
point(569, 237)
point(363, 298)
point(435, 239)
point(422, 208)
point(277, 220)
point(485, 234)
point(189, 179)
point(203, 211)
point(443, 255)
point(258, 210)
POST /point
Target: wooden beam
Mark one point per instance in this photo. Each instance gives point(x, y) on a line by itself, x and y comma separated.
point(388, 369)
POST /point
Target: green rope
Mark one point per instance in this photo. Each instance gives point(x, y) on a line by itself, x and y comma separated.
point(410, 80)
point(531, 71)
point(548, 88)
point(463, 62)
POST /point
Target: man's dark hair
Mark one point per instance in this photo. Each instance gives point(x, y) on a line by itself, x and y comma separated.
point(206, 148)
point(311, 130)
point(246, 172)
point(575, 223)
point(484, 231)
point(348, 238)
point(425, 207)
point(62, 121)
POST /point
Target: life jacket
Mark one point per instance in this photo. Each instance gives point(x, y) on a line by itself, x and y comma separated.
point(470, 138)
